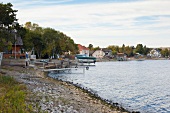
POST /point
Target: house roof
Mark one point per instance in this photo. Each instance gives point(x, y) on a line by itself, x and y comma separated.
point(120, 54)
point(19, 41)
point(106, 50)
point(82, 47)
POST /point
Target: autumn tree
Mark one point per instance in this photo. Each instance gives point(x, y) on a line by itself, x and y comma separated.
point(115, 49)
point(129, 51)
point(165, 52)
point(47, 42)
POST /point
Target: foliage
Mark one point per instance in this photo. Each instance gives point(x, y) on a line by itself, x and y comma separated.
point(139, 49)
point(90, 46)
point(129, 50)
point(96, 48)
point(47, 41)
point(7, 17)
point(8, 23)
point(146, 50)
point(12, 96)
point(115, 49)
point(165, 52)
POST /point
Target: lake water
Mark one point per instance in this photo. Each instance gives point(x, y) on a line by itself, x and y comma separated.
point(137, 85)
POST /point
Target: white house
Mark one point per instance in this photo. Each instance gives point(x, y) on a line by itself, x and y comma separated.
point(98, 54)
point(104, 52)
point(83, 50)
point(154, 53)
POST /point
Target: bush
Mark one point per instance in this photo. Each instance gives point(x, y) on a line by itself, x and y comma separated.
point(12, 96)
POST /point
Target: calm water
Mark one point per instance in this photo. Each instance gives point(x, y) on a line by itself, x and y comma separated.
point(137, 85)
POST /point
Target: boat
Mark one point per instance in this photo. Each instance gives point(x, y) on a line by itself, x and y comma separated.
point(85, 59)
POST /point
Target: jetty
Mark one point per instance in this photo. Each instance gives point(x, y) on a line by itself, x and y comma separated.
point(60, 66)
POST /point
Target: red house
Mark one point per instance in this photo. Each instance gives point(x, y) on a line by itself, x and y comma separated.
point(17, 50)
point(83, 50)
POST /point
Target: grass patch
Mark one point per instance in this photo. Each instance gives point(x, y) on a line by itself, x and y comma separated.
point(12, 96)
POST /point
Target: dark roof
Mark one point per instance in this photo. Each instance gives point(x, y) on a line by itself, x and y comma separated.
point(19, 41)
point(106, 50)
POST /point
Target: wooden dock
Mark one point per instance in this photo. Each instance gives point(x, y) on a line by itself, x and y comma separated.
point(58, 69)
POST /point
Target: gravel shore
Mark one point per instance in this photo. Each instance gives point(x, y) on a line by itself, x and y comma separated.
point(54, 96)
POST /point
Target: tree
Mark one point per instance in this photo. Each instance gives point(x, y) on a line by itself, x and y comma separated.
point(33, 38)
point(129, 51)
point(115, 49)
point(7, 18)
point(165, 52)
point(123, 48)
point(47, 42)
point(90, 46)
point(139, 49)
point(96, 48)
point(50, 39)
point(145, 50)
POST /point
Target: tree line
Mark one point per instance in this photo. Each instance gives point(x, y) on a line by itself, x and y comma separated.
point(131, 51)
point(47, 42)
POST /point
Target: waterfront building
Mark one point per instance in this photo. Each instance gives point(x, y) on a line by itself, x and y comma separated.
point(16, 51)
point(104, 52)
point(83, 50)
point(121, 57)
point(154, 53)
point(99, 54)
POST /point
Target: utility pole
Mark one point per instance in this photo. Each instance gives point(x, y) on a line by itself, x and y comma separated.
point(15, 31)
point(15, 42)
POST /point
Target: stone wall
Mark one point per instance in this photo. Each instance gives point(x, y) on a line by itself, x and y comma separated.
point(14, 62)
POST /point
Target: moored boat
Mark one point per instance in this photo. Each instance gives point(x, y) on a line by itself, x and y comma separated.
point(85, 59)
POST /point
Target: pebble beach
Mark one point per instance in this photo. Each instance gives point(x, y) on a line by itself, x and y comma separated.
point(55, 96)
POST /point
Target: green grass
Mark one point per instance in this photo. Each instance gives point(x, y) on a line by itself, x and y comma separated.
point(12, 96)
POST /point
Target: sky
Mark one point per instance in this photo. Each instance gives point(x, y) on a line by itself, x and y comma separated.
point(101, 22)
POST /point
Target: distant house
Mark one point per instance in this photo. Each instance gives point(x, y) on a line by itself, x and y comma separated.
point(121, 57)
point(108, 52)
point(154, 53)
point(104, 52)
point(98, 54)
point(83, 50)
point(17, 50)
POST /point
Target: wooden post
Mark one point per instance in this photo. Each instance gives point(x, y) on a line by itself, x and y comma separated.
point(43, 66)
point(1, 56)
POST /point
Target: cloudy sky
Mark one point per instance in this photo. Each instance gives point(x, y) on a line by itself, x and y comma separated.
point(101, 22)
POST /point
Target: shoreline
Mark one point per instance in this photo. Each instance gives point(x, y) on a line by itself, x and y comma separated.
point(116, 106)
point(52, 95)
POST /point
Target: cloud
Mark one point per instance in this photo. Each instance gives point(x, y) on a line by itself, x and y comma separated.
point(91, 21)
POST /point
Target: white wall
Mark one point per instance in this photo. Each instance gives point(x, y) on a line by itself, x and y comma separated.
point(85, 52)
point(98, 54)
